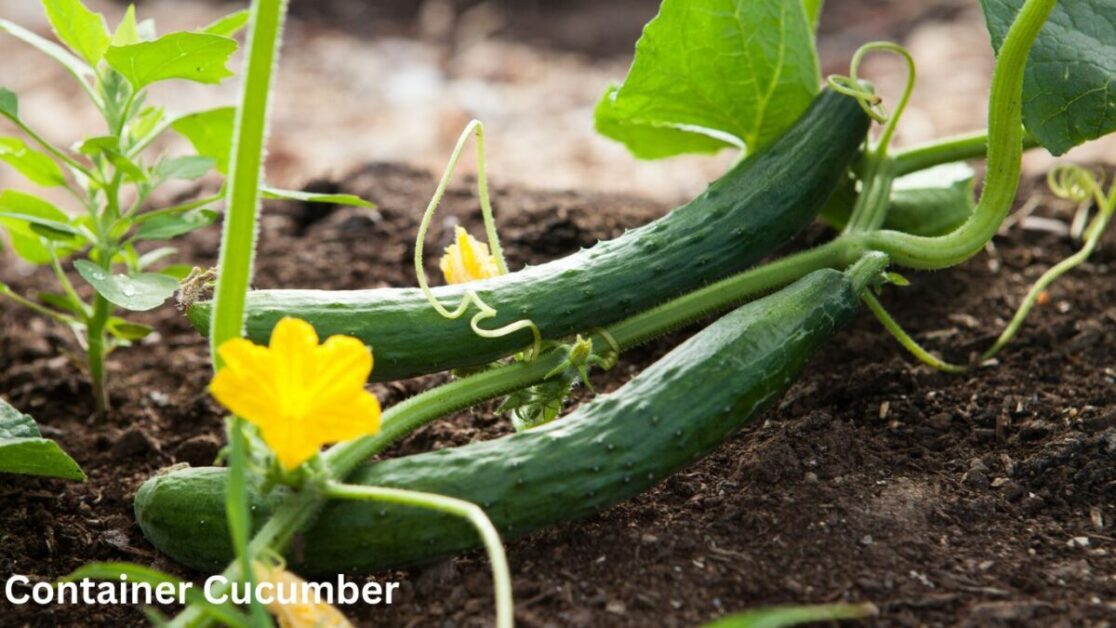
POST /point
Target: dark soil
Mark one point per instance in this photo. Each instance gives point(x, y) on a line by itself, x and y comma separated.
point(974, 500)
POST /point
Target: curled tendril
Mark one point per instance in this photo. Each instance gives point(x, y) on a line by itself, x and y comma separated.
point(471, 298)
point(872, 104)
point(1075, 183)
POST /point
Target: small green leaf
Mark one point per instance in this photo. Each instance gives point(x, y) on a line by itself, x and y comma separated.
point(19, 211)
point(23, 449)
point(84, 31)
point(713, 74)
point(78, 68)
point(191, 167)
point(38, 167)
point(139, 293)
point(172, 225)
point(146, 122)
point(9, 103)
point(155, 255)
point(1069, 88)
point(210, 132)
point(178, 271)
point(61, 302)
point(229, 25)
point(311, 197)
point(127, 330)
point(197, 57)
point(108, 147)
point(126, 33)
point(932, 202)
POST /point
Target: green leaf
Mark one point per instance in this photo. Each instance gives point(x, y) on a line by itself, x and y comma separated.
point(139, 292)
point(813, 11)
point(146, 122)
point(20, 213)
point(778, 617)
point(38, 167)
point(210, 132)
point(713, 74)
point(1069, 89)
point(229, 25)
point(126, 32)
point(61, 302)
point(127, 330)
point(82, 30)
point(9, 103)
point(171, 225)
point(932, 202)
point(177, 271)
point(311, 197)
point(197, 57)
point(78, 68)
point(108, 147)
point(155, 255)
point(190, 167)
point(23, 449)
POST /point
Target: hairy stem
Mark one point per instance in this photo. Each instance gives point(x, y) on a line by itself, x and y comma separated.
point(1005, 149)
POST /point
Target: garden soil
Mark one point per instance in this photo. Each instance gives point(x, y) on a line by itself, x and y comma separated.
point(981, 499)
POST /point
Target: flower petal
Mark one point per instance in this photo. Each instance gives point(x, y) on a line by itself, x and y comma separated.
point(346, 419)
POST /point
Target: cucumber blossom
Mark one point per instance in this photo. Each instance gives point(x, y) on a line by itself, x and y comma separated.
point(754, 208)
point(608, 450)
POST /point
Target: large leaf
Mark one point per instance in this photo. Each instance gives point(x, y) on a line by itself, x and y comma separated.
point(24, 450)
point(198, 57)
point(210, 132)
point(82, 30)
point(139, 292)
point(38, 167)
point(711, 74)
point(1069, 90)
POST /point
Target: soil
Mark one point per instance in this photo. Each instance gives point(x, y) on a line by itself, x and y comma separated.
point(944, 500)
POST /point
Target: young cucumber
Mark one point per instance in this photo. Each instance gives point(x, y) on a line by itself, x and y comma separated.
point(608, 450)
point(754, 208)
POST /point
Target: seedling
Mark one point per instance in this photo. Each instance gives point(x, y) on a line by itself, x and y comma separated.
point(112, 174)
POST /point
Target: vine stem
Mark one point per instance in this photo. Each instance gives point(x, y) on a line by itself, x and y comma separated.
point(1005, 148)
point(900, 334)
point(501, 574)
point(948, 150)
point(238, 248)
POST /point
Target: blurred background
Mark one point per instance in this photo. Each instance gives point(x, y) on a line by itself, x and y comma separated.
point(397, 80)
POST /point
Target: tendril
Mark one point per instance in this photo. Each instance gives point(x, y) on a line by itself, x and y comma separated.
point(471, 298)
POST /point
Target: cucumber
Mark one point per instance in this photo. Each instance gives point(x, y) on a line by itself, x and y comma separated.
point(755, 207)
point(608, 450)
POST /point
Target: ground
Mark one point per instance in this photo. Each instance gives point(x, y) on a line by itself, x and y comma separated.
point(941, 499)
point(944, 500)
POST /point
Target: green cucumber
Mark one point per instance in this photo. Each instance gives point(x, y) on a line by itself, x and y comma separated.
point(608, 450)
point(754, 208)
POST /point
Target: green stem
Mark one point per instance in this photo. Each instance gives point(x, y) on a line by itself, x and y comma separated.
point(31, 305)
point(1005, 150)
point(948, 150)
point(501, 575)
point(1096, 229)
point(95, 356)
point(238, 248)
point(900, 334)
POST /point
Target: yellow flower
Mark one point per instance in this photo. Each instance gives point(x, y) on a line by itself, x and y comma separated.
point(302, 614)
point(468, 259)
point(301, 395)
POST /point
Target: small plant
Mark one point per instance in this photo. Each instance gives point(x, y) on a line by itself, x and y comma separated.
point(112, 174)
point(24, 450)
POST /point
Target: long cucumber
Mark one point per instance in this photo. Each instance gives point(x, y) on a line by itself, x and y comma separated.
point(745, 215)
point(609, 450)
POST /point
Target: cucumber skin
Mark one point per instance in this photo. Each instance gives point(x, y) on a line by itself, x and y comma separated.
point(609, 450)
point(745, 215)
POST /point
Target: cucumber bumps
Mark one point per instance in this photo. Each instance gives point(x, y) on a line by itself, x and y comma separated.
point(608, 450)
point(754, 208)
